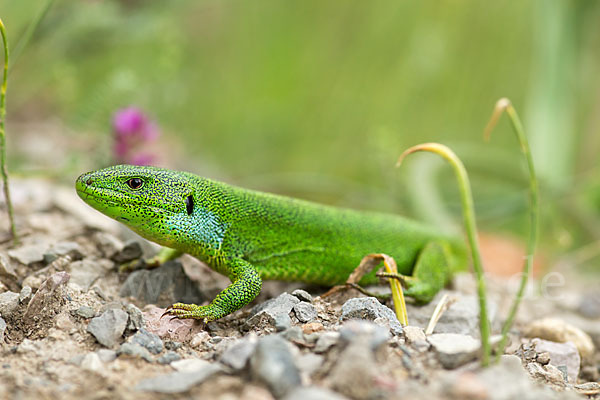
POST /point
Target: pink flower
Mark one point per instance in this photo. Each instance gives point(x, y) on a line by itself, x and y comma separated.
point(133, 131)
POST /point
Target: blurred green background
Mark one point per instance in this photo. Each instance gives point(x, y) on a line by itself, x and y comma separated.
point(318, 98)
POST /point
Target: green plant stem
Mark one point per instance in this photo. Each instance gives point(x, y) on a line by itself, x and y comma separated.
point(3, 171)
point(471, 230)
point(501, 106)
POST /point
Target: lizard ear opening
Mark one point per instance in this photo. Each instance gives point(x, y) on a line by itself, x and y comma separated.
point(189, 204)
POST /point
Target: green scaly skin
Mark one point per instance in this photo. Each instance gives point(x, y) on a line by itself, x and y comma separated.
point(249, 235)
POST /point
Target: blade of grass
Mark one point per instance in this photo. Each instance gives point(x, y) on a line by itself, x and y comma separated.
point(471, 229)
point(504, 105)
point(31, 28)
point(3, 171)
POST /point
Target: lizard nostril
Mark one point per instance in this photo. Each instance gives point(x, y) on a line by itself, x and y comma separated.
point(89, 181)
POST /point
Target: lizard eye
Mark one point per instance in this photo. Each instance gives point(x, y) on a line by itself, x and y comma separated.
point(135, 183)
point(189, 204)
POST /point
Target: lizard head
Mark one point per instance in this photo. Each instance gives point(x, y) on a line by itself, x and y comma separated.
point(147, 199)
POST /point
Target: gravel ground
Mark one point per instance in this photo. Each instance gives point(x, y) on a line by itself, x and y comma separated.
point(72, 326)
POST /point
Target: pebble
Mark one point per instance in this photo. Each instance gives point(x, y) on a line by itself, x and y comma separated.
point(312, 327)
point(415, 336)
point(453, 349)
point(136, 318)
point(170, 345)
point(92, 362)
point(364, 332)
point(9, 301)
point(326, 341)
point(108, 328)
point(313, 393)
point(273, 312)
point(135, 350)
point(272, 363)
point(548, 374)
point(162, 286)
point(168, 358)
point(371, 309)
point(309, 363)
point(6, 269)
point(131, 251)
point(560, 354)
point(557, 330)
point(302, 295)
point(237, 354)
point(2, 329)
point(178, 382)
point(29, 254)
point(85, 272)
point(86, 312)
point(106, 355)
point(62, 249)
point(25, 294)
point(293, 334)
point(305, 312)
point(199, 339)
point(148, 340)
point(107, 244)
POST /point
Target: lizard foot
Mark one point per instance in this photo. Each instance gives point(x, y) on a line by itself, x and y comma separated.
point(190, 311)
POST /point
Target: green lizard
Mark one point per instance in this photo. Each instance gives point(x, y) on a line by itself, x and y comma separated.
point(250, 236)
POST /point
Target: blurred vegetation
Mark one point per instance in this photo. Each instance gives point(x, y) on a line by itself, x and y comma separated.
point(318, 98)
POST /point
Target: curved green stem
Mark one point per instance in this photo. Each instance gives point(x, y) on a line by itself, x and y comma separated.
point(505, 105)
point(471, 230)
point(3, 171)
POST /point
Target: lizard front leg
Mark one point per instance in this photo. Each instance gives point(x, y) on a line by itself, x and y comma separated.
point(245, 286)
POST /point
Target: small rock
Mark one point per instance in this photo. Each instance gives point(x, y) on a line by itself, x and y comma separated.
point(237, 355)
point(312, 327)
point(556, 330)
point(135, 350)
point(178, 382)
point(9, 301)
point(560, 354)
point(131, 251)
point(63, 321)
point(85, 272)
point(453, 349)
point(107, 244)
point(371, 309)
point(45, 295)
point(106, 355)
point(6, 269)
point(86, 312)
point(365, 332)
point(163, 286)
point(309, 363)
point(588, 388)
point(148, 340)
point(544, 358)
point(168, 358)
point(313, 393)
point(29, 254)
point(25, 294)
point(273, 312)
point(326, 341)
point(108, 328)
point(273, 364)
point(190, 365)
point(170, 345)
point(91, 362)
point(415, 336)
point(293, 334)
point(548, 374)
point(302, 295)
point(136, 318)
point(2, 329)
point(62, 249)
point(305, 312)
point(200, 339)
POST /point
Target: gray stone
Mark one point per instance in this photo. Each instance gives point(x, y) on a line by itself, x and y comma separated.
point(313, 393)
point(162, 286)
point(237, 355)
point(108, 328)
point(46, 294)
point(85, 272)
point(6, 269)
point(148, 340)
point(355, 372)
point(25, 294)
point(453, 349)
point(548, 374)
point(91, 362)
point(2, 329)
point(560, 354)
point(302, 295)
point(168, 358)
point(135, 350)
point(170, 345)
point(86, 312)
point(131, 251)
point(29, 254)
point(305, 312)
point(62, 249)
point(178, 382)
point(365, 332)
point(107, 244)
point(106, 355)
point(416, 337)
point(273, 312)
point(190, 365)
point(371, 309)
point(136, 318)
point(325, 341)
point(272, 363)
point(309, 363)
point(9, 301)
point(293, 334)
